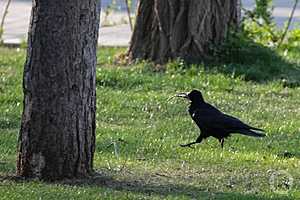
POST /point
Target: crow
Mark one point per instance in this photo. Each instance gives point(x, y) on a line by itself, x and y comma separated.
point(213, 122)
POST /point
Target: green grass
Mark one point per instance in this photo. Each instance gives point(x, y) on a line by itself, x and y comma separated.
point(132, 106)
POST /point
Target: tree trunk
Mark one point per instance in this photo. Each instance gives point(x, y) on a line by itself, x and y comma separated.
point(57, 136)
point(166, 29)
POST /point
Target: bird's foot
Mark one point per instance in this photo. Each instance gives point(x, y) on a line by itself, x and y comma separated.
point(186, 145)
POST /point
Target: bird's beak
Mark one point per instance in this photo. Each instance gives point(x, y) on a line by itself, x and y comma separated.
point(182, 95)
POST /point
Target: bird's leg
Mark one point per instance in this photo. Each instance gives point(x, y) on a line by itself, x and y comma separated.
point(221, 142)
point(199, 140)
point(188, 145)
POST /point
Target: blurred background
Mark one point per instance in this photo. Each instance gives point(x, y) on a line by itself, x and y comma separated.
point(115, 24)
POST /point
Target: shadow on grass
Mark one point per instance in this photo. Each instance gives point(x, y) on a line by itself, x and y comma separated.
point(11, 122)
point(254, 62)
point(287, 155)
point(147, 188)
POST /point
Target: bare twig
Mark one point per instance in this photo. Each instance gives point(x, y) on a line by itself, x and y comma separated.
point(3, 19)
point(288, 23)
point(129, 15)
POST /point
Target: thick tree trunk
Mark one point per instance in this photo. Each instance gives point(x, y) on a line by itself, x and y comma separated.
point(57, 136)
point(166, 29)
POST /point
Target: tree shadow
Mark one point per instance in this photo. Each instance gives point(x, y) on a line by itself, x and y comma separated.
point(140, 186)
point(242, 57)
point(9, 122)
point(288, 154)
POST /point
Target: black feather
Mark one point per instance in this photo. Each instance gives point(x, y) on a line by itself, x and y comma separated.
point(213, 122)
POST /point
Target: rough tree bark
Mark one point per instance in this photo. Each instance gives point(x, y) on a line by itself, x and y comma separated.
point(57, 136)
point(166, 29)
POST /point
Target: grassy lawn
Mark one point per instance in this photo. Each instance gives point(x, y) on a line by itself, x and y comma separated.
point(139, 132)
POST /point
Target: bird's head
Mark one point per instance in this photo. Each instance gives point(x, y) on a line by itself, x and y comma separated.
point(193, 96)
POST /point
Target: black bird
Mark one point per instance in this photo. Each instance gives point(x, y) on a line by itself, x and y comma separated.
point(213, 122)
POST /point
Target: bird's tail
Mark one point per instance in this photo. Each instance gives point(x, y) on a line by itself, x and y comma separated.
point(252, 133)
point(256, 129)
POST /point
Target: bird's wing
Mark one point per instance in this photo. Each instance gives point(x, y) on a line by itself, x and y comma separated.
point(209, 119)
point(235, 122)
